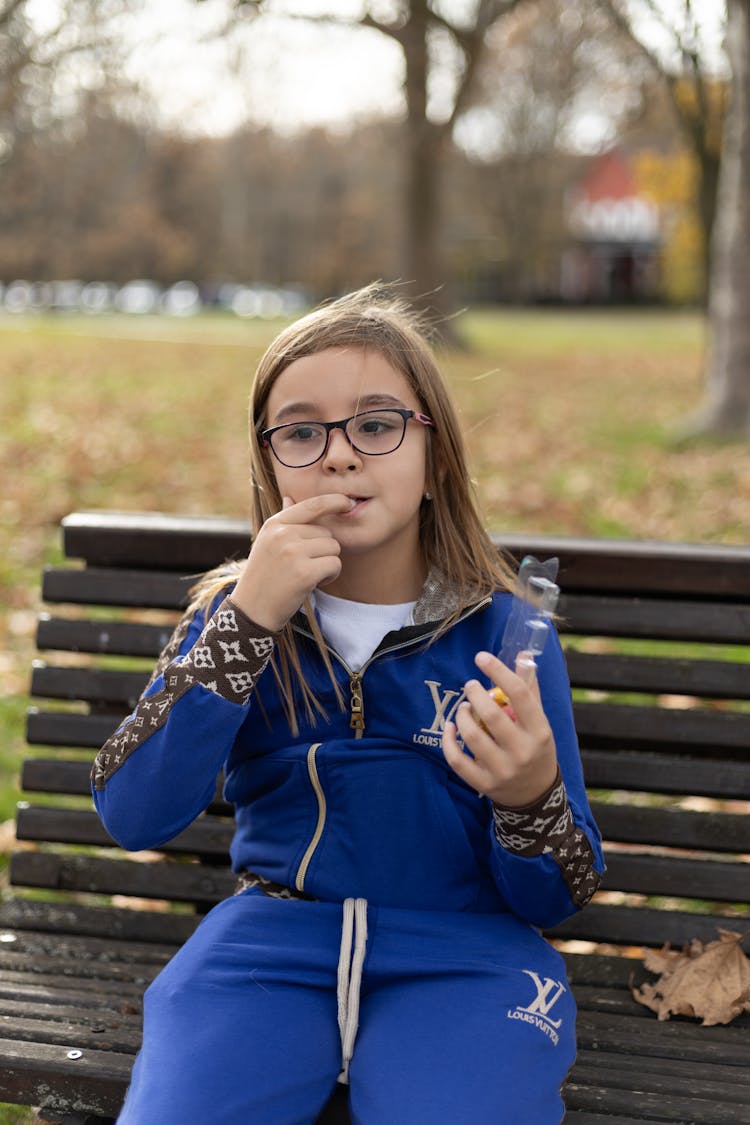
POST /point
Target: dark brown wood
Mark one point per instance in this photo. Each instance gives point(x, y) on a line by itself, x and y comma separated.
point(653, 722)
point(675, 828)
point(190, 544)
point(118, 925)
point(103, 636)
point(706, 679)
point(172, 881)
point(654, 618)
point(624, 725)
point(92, 685)
point(64, 728)
point(193, 543)
point(713, 776)
point(637, 926)
point(73, 778)
point(205, 837)
point(43, 1075)
point(148, 589)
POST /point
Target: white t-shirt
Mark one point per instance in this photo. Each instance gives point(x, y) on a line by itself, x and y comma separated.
point(355, 629)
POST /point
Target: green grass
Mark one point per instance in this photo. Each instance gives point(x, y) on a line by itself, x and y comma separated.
point(16, 1115)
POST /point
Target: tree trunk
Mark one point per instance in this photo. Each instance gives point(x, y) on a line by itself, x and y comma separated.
point(425, 141)
point(708, 188)
point(726, 409)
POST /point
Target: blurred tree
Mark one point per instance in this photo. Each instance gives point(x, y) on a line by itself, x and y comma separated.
point(442, 44)
point(554, 82)
point(45, 64)
point(720, 137)
point(698, 95)
point(726, 410)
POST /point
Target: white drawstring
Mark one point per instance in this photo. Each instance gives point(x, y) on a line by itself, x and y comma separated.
point(353, 926)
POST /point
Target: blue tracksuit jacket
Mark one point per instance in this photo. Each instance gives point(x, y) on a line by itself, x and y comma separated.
point(361, 803)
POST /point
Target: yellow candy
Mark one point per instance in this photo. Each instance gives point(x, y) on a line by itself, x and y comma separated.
point(499, 696)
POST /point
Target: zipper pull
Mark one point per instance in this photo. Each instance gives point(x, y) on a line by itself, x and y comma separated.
point(357, 705)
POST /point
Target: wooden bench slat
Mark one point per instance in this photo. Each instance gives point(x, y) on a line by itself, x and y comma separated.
point(56, 775)
point(54, 988)
point(189, 543)
point(587, 1117)
point(641, 1071)
point(178, 882)
point(679, 1038)
point(211, 836)
point(41, 1074)
point(108, 1035)
point(597, 724)
point(661, 773)
point(73, 778)
point(198, 542)
point(102, 637)
point(116, 923)
point(206, 836)
point(63, 728)
point(88, 684)
point(58, 1012)
point(701, 1091)
point(676, 1109)
point(640, 925)
point(145, 589)
point(709, 679)
point(677, 828)
point(97, 970)
point(29, 943)
point(656, 619)
point(710, 880)
point(627, 725)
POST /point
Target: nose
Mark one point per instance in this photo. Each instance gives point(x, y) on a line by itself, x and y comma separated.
point(340, 453)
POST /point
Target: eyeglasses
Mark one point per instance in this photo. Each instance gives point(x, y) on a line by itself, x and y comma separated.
point(372, 432)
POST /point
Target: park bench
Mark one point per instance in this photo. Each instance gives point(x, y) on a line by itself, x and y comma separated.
point(664, 726)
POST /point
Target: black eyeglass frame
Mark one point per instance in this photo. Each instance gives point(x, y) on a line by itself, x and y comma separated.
point(417, 415)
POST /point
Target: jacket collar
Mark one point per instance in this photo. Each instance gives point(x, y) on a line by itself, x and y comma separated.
point(437, 601)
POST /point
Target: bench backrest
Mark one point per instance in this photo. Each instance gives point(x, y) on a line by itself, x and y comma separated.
point(663, 721)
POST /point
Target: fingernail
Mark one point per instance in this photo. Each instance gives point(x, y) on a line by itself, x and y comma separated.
point(471, 684)
point(482, 658)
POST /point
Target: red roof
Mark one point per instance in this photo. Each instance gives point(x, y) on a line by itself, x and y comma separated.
point(609, 177)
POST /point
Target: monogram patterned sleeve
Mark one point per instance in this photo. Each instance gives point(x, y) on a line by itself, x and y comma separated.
point(547, 826)
point(228, 657)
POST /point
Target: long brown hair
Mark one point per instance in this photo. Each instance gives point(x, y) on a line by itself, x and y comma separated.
point(452, 537)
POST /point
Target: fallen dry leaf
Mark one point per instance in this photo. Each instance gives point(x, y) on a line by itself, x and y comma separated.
point(710, 982)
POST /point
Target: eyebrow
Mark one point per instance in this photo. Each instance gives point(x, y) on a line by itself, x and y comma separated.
point(309, 409)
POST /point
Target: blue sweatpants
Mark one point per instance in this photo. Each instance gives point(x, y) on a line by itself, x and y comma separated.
point(463, 1018)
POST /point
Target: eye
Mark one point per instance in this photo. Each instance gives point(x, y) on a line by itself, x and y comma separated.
point(300, 432)
point(372, 425)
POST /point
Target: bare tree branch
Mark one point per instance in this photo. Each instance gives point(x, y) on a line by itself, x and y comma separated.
point(489, 13)
point(8, 10)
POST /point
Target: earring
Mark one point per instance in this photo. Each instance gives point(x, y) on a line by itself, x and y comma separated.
point(428, 496)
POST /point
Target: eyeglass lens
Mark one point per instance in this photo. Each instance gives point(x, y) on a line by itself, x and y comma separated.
point(372, 432)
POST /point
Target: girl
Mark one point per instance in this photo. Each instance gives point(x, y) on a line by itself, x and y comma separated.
point(399, 838)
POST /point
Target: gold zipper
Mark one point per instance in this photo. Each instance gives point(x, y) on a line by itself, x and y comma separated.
point(312, 770)
point(356, 704)
point(356, 694)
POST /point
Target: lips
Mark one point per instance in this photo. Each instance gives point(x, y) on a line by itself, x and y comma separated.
point(358, 503)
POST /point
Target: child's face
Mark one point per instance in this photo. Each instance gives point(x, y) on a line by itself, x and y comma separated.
point(333, 385)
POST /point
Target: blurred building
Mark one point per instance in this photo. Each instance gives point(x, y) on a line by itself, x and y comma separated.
point(616, 235)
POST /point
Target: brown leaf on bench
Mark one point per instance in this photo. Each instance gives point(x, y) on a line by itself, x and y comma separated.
point(708, 981)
